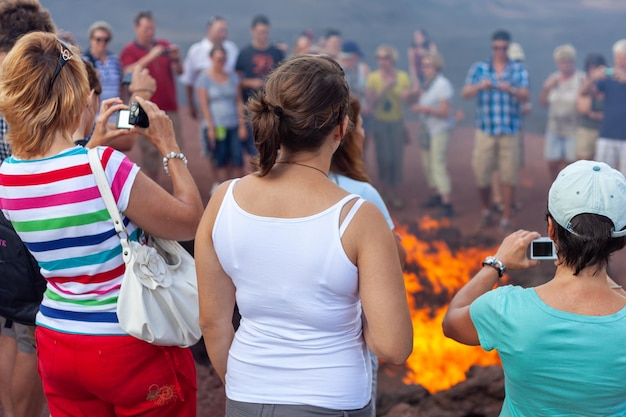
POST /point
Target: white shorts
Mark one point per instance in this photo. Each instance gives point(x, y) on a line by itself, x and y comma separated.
point(558, 148)
point(612, 152)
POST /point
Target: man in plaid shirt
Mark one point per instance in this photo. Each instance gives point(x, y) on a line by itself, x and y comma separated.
point(500, 87)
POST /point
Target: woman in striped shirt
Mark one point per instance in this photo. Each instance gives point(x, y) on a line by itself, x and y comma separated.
point(88, 365)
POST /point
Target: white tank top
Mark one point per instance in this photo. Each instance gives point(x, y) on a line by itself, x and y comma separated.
point(300, 339)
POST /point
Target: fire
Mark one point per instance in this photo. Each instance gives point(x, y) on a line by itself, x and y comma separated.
point(434, 272)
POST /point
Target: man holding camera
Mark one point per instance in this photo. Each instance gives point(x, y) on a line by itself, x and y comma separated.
point(611, 145)
point(162, 59)
point(500, 87)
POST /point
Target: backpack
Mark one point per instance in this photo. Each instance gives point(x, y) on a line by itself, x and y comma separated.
point(21, 283)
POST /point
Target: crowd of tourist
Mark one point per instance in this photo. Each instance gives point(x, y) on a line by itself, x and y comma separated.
point(499, 84)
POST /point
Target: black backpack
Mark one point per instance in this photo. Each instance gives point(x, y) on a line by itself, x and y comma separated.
point(21, 283)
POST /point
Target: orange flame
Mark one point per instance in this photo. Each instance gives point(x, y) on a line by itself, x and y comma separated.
point(433, 274)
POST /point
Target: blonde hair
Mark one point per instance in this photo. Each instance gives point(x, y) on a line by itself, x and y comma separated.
point(564, 52)
point(619, 47)
point(36, 105)
point(436, 58)
point(389, 50)
point(516, 52)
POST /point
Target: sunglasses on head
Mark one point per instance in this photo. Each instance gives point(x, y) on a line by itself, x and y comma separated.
point(65, 55)
point(101, 40)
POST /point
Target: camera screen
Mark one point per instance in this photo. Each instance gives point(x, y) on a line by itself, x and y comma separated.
point(122, 120)
point(543, 249)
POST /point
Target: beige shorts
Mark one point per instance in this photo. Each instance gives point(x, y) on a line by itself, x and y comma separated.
point(586, 142)
point(23, 334)
point(495, 153)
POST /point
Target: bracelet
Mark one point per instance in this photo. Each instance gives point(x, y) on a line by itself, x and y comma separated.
point(166, 160)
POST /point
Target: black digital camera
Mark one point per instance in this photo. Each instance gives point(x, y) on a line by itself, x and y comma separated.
point(137, 116)
point(134, 116)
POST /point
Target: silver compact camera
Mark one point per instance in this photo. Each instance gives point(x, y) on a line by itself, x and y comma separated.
point(542, 249)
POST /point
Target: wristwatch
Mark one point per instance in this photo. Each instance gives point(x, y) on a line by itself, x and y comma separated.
point(496, 264)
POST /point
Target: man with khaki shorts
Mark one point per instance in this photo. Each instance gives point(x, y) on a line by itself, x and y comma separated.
point(500, 87)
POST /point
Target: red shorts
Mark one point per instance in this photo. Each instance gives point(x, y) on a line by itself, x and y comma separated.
point(109, 376)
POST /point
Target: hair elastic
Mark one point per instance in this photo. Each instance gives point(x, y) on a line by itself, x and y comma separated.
point(278, 111)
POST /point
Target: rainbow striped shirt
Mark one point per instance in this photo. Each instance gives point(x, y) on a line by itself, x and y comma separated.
point(56, 208)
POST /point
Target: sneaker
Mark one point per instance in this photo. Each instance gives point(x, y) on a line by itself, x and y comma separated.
point(432, 202)
point(486, 220)
point(505, 227)
point(397, 203)
point(446, 210)
point(497, 207)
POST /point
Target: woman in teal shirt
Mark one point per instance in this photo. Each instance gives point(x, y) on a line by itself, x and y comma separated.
point(561, 343)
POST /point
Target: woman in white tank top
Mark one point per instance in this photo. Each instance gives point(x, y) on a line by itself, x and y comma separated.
point(314, 270)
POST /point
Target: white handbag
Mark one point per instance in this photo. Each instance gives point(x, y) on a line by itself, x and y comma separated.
point(158, 300)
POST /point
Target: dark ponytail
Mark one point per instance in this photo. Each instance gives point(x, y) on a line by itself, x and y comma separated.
point(304, 99)
point(265, 126)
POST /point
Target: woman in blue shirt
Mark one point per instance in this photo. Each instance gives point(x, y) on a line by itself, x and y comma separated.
point(561, 342)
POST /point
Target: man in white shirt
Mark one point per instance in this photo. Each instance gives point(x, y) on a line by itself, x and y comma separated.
point(197, 59)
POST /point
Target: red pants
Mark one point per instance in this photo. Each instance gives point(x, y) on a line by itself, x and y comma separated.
point(114, 376)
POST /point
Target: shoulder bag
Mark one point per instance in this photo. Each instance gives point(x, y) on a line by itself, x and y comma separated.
point(158, 300)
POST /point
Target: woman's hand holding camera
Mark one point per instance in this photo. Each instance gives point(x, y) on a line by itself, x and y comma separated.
point(512, 251)
point(104, 133)
point(161, 130)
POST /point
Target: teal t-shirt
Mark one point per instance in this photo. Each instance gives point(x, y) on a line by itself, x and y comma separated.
point(555, 363)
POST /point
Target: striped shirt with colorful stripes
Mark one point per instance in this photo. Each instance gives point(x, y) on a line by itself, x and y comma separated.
point(55, 206)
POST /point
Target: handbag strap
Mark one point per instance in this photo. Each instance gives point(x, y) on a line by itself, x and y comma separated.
point(109, 201)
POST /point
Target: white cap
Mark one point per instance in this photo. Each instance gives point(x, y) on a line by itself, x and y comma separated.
point(589, 187)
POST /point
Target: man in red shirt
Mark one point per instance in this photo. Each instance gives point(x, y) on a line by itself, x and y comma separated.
point(162, 59)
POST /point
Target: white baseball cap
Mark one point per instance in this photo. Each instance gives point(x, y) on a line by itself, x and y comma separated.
point(589, 187)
